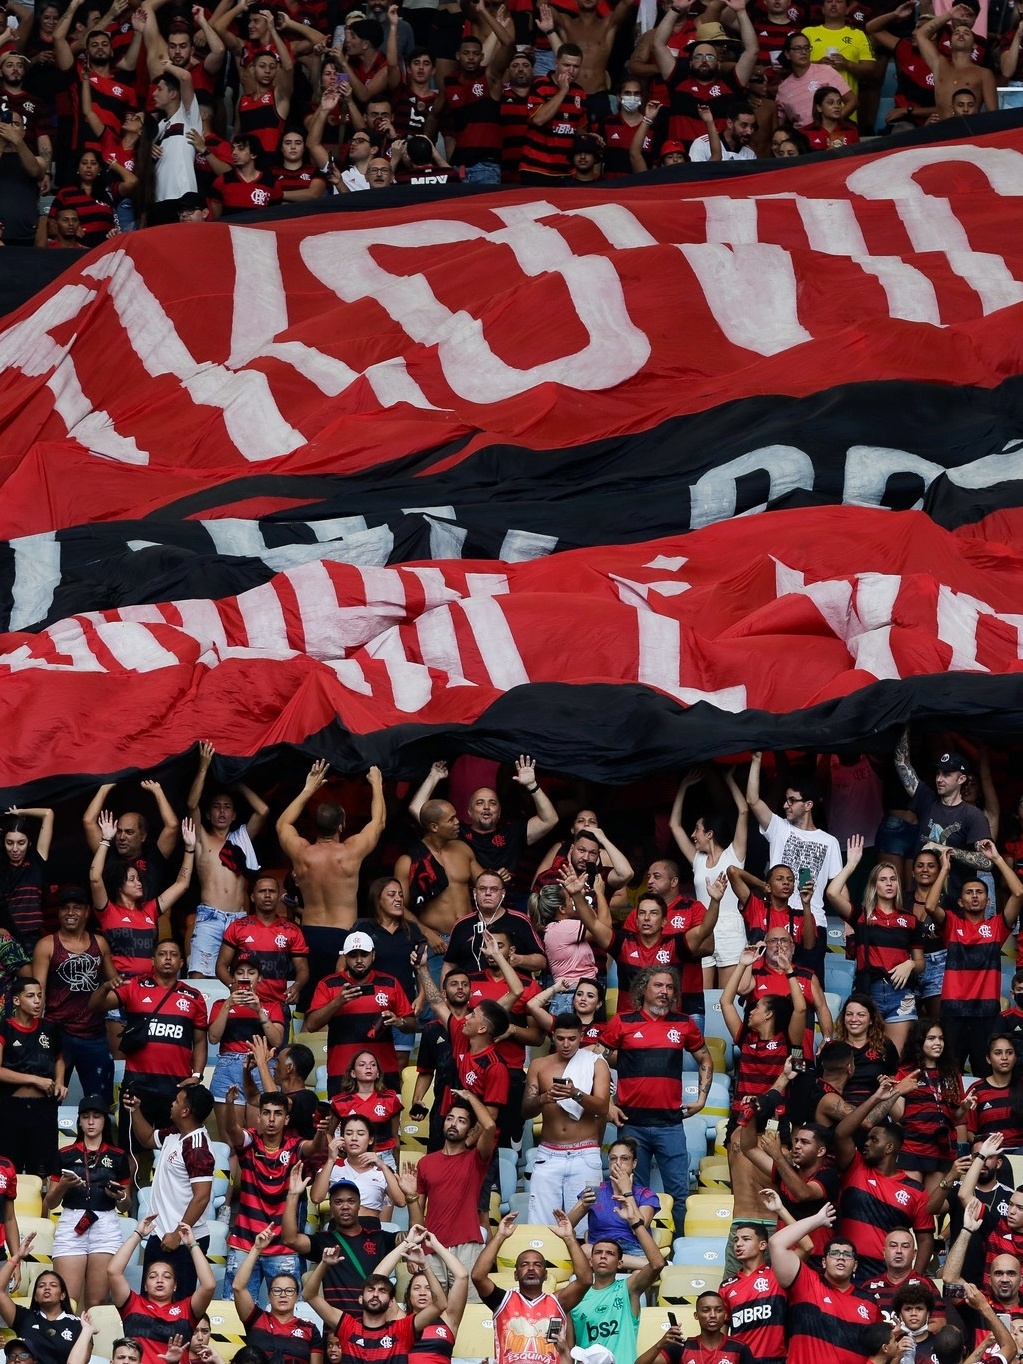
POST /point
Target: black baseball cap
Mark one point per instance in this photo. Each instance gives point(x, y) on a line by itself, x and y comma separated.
point(92, 1103)
point(952, 762)
point(74, 895)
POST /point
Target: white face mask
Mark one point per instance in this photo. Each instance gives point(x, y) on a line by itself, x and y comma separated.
point(630, 103)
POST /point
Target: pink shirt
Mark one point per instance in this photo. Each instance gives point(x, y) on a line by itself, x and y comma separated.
point(567, 956)
point(795, 94)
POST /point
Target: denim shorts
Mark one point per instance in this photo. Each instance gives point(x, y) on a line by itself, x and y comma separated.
point(230, 1070)
point(933, 975)
point(896, 1006)
point(897, 837)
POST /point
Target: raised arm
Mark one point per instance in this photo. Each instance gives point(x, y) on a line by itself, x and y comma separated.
point(733, 1021)
point(169, 832)
point(926, 40)
point(313, 1293)
point(120, 1288)
point(750, 42)
point(663, 57)
point(1012, 882)
point(243, 1299)
point(762, 812)
point(837, 894)
point(364, 842)
point(438, 772)
point(487, 1258)
point(740, 839)
point(546, 817)
point(903, 766)
point(784, 1260)
point(572, 1293)
point(206, 752)
point(290, 1234)
point(602, 933)
point(169, 897)
point(877, 28)
point(678, 833)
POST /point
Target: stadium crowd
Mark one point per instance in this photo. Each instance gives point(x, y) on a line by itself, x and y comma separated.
point(140, 112)
point(317, 1059)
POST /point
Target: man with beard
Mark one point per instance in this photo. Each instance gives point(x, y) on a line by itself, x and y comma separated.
point(735, 137)
point(513, 115)
point(436, 1061)
point(359, 1006)
point(700, 80)
point(805, 1177)
point(444, 1188)
point(524, 1315)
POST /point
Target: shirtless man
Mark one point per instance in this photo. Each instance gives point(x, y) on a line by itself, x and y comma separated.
point(959, 72)
point(436, 876)
point(595, 34)
point(327, 870)
point(574, 1108)
point(222, 859)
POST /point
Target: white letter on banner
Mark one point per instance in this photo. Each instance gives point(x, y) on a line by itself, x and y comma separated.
point(929, 220)
point(616, 350)
point(958, 618)
point(862, 621)
point(251, 416)
point(751, 293)
point(713, 496)
point(660, 646)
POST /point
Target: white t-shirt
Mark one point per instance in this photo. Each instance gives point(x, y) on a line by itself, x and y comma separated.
point(182, 1162)
point(811, 848)
point(175, 168)
point(700, 151)
point(371, 1183)
point(730, 919)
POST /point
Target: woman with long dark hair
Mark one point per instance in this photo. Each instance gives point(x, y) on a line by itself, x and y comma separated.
point(932, 1112)
point(860, 1024)
point(94, 1185)
point(394, 939)
point(48, 1324)
point(997, 1098)
point(22, 872)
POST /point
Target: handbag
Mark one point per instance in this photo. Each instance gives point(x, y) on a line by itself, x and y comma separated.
point(134, 1036)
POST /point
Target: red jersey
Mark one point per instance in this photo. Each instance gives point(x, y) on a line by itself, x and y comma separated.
point(884, 940)
point(377, 1109)
point(825, 1321)
point(472, 118)
point(258, 118)
point(928, 1121)
point(512, 1053)
point(482, 1072)
point(173, 1024)
point(283, 1342)
point(375, 1344)
point(243, 1023)
point(547, 149)
point(357, 1027)
point(239, 196)
point(873, 1204)
point(274, 945)
point(153, 1324)
point(131, 935)
point(820, 140)
point(651, 1052)
point(994, 1113)
point(452, 1187)
point(618, 135)
point(973, 970)
point(757, 1304)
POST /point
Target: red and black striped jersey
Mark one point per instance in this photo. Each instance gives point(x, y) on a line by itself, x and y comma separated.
point(633, 956)
point(511, 1052)
point(685, 914)
point(826, 1322)
point(356, 1026)
point(873, 1204)
point(973, 972)
point(410, 111)
point(686, 93)
point(651, 1052)
point(992, 1112)
point(435, 1346)
point(885, 939)
point(243, 1024)
point(618, 135)
point(513, 116)
point(472, 118)
point(692, 1352)
point(173, 1024)
point(375, 1344)
point(96, 216)
point(759, 916)
point(928, 1120)
point(914, 79)
point(547, 150)
point(277, 943)
point(154, 1324)
point(828, 1179)
point(771, 38)
point(283, 1342)
point(263, 1190)
point(130, 933)
point(768, 981)
point(883, 1290)
point(760, 1062)
point(112, 97)
point(258, 118)
point(1001, 1241)
point(758, 1304)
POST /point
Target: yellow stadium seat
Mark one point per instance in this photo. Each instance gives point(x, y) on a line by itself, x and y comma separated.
point(534, 1237)
point(684, 1283)
point(43, 1230)
point(611, 1001)
point(653, 1323)
point(714, 1173)
point(718, 1048)
point(30, 1271)
point(410, 1132)
point(225, 1323)
point(708, 1214)
point(108, 1320)
point(720, 1149)
point(475, 1338)
point(317, 1044)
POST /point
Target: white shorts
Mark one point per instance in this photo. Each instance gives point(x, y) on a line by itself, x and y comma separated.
point(102, 1238)
point(729, 940)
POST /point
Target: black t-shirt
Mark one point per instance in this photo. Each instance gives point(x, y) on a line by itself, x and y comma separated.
point(19, 201)
point(394, 951)
point(360, 1255)
point(29, 1051)
point(957, 826)
point(150, 864)
point(502, 847)
point(51, 1341)
point(465, 948)
point(98, 1169)
point(436, 1055)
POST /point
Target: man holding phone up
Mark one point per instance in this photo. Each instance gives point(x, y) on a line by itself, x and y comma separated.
point(359, 1006)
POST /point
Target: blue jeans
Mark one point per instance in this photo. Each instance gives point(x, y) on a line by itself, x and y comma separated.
point(483, 173)
point(90, 1056)
point(266, 1269)
point(668, 1146)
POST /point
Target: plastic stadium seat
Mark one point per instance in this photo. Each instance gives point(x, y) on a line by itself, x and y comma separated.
point(505, 1279)
point(30, 1271)
point(475, 1338)
point(321, 1083)
point(43, 1229)
point(221, 1156)
point(705, 1251)
point(534, 1237)
point(708, 1214)
point(838, 975)
point(210, 989)
point(653, 1323)
point(715, 1025)
point(108, 1319)
point(714, 1173)
point(664, 1217)
point(225, 1323)
point(218, 1242)
point(719, 1052)
point(317, 1044)
point(611, 998)
point(685, 1282)
point(719, 1137)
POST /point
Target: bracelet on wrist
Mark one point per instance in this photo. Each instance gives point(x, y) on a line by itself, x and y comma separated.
point(635, 1226)
point(534, 788)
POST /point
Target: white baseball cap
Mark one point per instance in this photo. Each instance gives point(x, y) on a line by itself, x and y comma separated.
point(358, 942)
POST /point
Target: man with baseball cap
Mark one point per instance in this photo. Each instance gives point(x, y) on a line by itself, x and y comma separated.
point(943, 815)
point(359, 1006)
point(362, 1248)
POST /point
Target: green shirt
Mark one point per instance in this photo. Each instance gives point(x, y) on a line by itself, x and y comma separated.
point(605, 1317)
